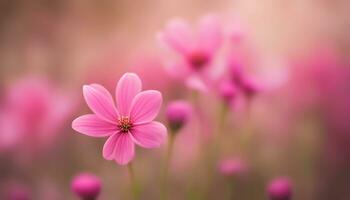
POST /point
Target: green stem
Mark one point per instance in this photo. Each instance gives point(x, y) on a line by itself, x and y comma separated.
point(212, 155)
point(168, 156)
point(230, 183)
point(222, 115)
point(133, 183)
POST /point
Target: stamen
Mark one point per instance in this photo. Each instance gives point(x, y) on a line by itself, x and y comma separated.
point(124, 124)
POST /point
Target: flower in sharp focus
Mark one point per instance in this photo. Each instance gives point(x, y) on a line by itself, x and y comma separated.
point(196, 51)
point(280, 189)
point(86, 186)
point(178, 113)
point(127, 123)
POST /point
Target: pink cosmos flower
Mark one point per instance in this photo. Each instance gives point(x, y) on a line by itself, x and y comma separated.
point(128, 122)
point(196, 51)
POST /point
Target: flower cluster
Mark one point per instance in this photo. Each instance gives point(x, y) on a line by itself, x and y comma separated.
point(129, 118)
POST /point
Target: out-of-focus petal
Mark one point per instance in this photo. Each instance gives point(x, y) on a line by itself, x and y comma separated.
point(179, 70)
point(11, 131)
point(177, 34)
point(149, 135)
point(210, 34)
point(196, 83)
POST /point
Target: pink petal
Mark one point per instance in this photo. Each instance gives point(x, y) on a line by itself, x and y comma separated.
point(177, 34)
point(196, 83)
point(128, 87)
point(178, 70)
point(145, 106)
point(119, 147)
point(149, 135)
point(92, 125)
point(100, 102)
point(210, 34)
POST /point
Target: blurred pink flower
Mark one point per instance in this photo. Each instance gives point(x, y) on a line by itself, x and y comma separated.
point(232, 167)
point(16, 191)
point(237, 31)
point(197, 51)
point(34, 111)
point(227, 91)
point(251, 86)
point(131, 121)
point(178, 114)
point(320, 80)
point(86, 186)
point(245, 82)
point(280, 189)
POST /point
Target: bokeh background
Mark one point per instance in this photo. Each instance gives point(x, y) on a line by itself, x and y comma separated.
point(300, 126)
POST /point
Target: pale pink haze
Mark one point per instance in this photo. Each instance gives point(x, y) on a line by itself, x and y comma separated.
point(33, 112)
point(196, 49)
point(127, 122)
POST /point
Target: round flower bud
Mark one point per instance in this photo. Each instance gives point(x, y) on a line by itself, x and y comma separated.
point(178, 113)
point(86, 186)
point(250, 87)
point(227, 91)
point(280, 189)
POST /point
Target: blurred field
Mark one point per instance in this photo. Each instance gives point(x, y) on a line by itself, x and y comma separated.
point(297, 128)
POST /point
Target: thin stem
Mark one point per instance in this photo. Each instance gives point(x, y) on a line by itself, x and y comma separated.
point(196, 186)
point(222, 115)
point(212, 155)
point(230, 184)
point(169, 152)
point(221, 121)
point(248, 129)
point(133, 183)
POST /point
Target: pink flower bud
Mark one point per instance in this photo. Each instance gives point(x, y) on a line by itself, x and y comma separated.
point(280, 189)
point(86, 186)
point(178, 113)
point(227, 91)
point(250, 87)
